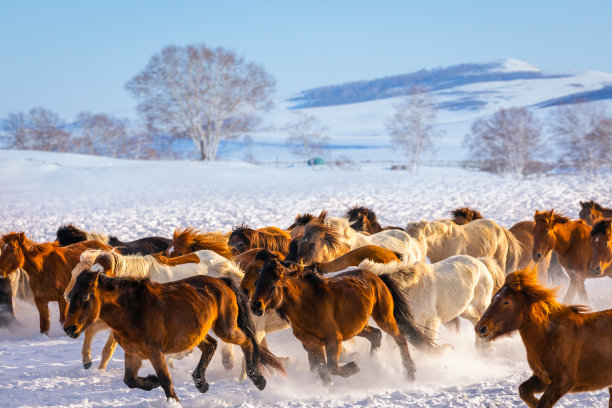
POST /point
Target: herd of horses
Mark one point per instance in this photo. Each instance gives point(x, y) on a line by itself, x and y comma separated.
point(324, 278)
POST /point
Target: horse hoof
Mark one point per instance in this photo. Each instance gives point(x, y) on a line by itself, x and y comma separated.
point(87, 365)
point(202, 386)
point(259, 381)
point(152, 381)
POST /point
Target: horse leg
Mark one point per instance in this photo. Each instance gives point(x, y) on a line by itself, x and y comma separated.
point(43, 313)
point(63, 307)
point(227, 356)
point(554, 391)
point(528, 388)
point(130, 377)
point(88, 335)
point(107, 351)
point(373, 335)
point(208, 347)
point(582, 293)
point(158, 361)
point(610, 400)
point(316, 360)
point(386, 321)
point(332, 350)
point(260, 336)
point(573, 287)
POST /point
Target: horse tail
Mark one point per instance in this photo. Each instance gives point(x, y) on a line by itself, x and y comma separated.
point(261, 355)
point(403, 316)
point(496, 272)
point(555, 274)
point(515, 251)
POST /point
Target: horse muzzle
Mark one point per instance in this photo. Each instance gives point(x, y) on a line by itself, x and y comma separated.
point(597, 270)
point(72, 331)
point(258, 308)
point(537, 257)
point(483, 331)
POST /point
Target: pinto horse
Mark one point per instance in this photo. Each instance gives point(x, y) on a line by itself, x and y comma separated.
point(591, 212)
point(48, 267)
point(601, 244)
point(150, 319)
point(571, 241)
point(69, 234)
point(244, 238)
point(567, 348)
point(191, 240)
point(324, 312)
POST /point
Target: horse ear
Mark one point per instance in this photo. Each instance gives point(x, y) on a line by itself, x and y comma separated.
point(21, 237)
point(322, 216)
point(582, 204)
point(265, 255)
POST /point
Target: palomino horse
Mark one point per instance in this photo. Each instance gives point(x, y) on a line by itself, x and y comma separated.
point(571, 241)
point(69, 234)
point(155, 267)
point(601, 244)
point(364, 220)
point(592, 212)
point(479, 238)
point(48, 267)
point(567, 348)
point(191, 240)
point(244, 238)
point(459, 286)
point(549, 267)
point(150, 319)
point(326, 239)
point(324, 312)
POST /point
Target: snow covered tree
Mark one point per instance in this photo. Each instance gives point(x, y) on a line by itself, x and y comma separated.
point(412, 126)
point(506, 142)
point(584, 132)
point(202, 93)
point(307, 137)
point(39, 129)
point(103, 134)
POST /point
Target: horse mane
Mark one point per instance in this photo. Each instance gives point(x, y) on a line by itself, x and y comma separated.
point(405, 275)
point(300, 220)
point(69, 234)
point(135, 266)
point(591, 204)
point(557, 217)
point(18, 238)
point(198, 240)
point(467, 213)
point(110, 283)
point(602, 227)
point(357, 210)
point(331, 238)
point(542, 300)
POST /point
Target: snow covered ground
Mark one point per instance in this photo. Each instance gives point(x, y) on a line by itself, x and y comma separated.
point(131, 199)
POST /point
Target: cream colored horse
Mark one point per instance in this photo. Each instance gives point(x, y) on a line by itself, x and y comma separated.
point(479, 238)
point(459, 286)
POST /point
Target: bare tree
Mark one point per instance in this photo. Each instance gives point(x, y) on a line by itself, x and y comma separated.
point(307, 136)
point(412, 126)
point(39, 129)
point(506, 142)
point(584, 132)
point(202, 93)
point(104, 135)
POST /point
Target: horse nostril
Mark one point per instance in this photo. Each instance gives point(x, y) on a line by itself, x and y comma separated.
point(70, 329)
point(483, 330)
point(597, 269)
point(246, 292)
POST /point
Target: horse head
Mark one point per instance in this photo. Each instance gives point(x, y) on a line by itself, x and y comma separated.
point(85, 304)
point(266, 294)
point(590, 212)
point(601, 244)
point(11, 252)
point(544, 234)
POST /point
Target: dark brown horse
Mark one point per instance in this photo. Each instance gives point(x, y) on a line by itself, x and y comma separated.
point(244, 238)
point(601, 244)
point(567, 348)
point(69, 234)
point(191, 240)
point(151, 319)
point(464, 215)
point(592, 212)
point(571, 241)
point(324, 312)
point(364, 220)
point(48, 267)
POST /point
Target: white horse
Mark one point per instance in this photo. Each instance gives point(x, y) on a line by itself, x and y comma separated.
point(479, 238)
point(459, 286)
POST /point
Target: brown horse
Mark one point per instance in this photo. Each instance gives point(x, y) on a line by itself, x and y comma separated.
point(191, 240)
point(464, 215)
point(567, 348)
point(243, 238)
point(48, 267)
point(244, 259)
point(601, 244)
point(364, 220)
point(324, 312)
point(571, 241)
point(355, 257)
point(592, 212)
point(297, 228)
point(151, 319)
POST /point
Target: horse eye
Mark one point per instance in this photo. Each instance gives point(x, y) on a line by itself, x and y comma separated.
point(85, 298)
point(311, 246)
point(507, 302)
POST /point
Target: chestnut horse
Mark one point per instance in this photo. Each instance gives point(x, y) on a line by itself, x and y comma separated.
point(364, 220)
point(601, 244)
point(69, 234)
point(567, 348)
point(48, 267)
point(464, 215)
point(151, 319)
point(324, 312)
point(591, 212)
point(191, 240)
point(571, 241)
point(355, 257)
point(243, 238)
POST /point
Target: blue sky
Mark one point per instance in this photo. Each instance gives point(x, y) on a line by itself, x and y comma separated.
point(72, 56)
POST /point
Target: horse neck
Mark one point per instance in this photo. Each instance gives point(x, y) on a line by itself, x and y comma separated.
point(35, 255)
point(118, 307)
point(135, 267)
point(297, 293)
point(571, 239)
point(436, 241)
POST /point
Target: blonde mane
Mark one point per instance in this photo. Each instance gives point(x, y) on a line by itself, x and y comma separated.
point(197, 241)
